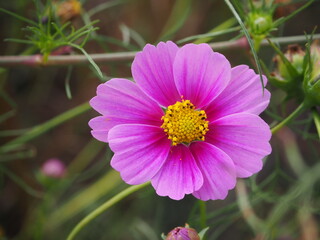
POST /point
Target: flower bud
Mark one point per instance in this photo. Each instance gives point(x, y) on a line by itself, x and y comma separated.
point(315, 59)
point(289, 72)
point(53, 168)
point(312, 79)
point(68, 10)
point(183, 233)
point(295, 56)
point(259, 23)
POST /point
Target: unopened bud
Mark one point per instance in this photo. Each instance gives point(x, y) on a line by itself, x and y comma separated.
point(259, 23)
point(183, 233)
point(295, 56)
point(311, 84)
point(53, 168)
point(68, 10)
point(315, 59)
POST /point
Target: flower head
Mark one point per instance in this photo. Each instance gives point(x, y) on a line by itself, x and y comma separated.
point(189, 123)
point(53, 168)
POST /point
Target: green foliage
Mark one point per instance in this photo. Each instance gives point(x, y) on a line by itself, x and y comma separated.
point(178, 16)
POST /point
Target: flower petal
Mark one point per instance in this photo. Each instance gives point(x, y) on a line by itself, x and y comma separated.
point(245, 138)
point(139, 151)
point(100, 126)
point(152, 70)
point(121, 101)
point(200, 74)
point(217, 169)
point(179, 175)
point(243, 94)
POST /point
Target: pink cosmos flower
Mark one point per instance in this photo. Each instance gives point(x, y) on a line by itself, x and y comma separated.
point(189, 123)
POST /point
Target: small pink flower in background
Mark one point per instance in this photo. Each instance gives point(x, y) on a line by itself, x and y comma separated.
point(183, 233)
point(189, 123)
point(53, 168)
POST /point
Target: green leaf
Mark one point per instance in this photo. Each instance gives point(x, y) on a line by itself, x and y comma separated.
point(223, 26)
point(105, 6)
point(18, 17)
point(177, 18)
point(75, 33)
point(7, 115)
point(94, 65)
point(316, 119)
point(21, 183)
point(246, 33)
point(273, 80)
point(208, 36)
point(67, 82)
point(19, 41)
point(44, 127)
point(284, 19)
point(203, 232)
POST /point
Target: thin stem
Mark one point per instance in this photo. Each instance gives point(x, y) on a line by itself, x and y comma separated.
point(104, 207)
point(42, 128)
point(246, 209)
point(316, 118)
point(203, 214)
point(292, 116)
point(37, 60)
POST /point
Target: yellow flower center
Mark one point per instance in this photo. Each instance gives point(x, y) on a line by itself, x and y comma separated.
point(184, 124)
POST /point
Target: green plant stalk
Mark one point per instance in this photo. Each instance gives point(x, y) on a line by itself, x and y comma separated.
point(247, 35)
point(246, 209)
point(37, 60)
point(223, 26)
point(316, 118)
point(177, 18)
point(83, 199)
point(21, 183)
point(292, 151)
point(287, 120)
point(104, 207)
point(42, 128)
point(298, 192)
point(203, 214)
point(209, 35)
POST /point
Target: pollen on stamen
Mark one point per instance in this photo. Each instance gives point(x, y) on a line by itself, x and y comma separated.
point(183, 123)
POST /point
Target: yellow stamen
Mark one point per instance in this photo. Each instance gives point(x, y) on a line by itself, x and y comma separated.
point(183, 123)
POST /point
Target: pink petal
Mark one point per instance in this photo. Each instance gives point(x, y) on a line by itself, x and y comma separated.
point(139, 151)
point(120, 101)
point(243, 94)
point(101, 126)
point(179, 175)
point(217, 169)
point(152, 70)
point(200, 74)
point(245, 138)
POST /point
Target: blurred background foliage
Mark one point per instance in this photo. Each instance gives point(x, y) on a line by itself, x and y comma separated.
point(44, 115)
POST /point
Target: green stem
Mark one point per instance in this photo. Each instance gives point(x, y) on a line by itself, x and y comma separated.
point(246, 209)
point(293, 115)
point(42, 128)
point(203, 214)
point(37, 60)
point(316, 118)
point(104, 207)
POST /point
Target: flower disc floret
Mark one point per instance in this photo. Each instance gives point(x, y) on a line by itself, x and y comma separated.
point(183, 123)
